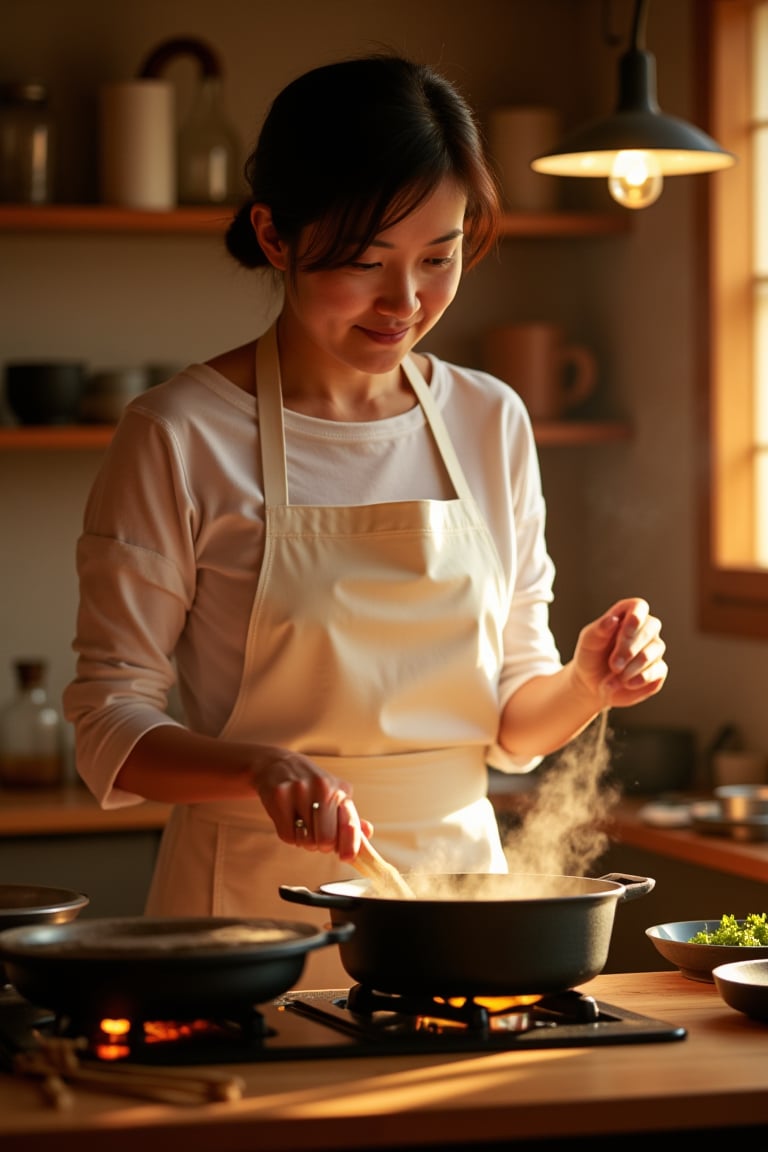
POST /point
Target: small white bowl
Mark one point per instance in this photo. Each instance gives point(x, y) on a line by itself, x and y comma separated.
point(744, 986)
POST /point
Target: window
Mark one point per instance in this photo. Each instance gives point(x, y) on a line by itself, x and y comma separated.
point(733, 477)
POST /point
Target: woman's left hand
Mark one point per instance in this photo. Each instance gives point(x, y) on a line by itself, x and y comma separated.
point(619, 657)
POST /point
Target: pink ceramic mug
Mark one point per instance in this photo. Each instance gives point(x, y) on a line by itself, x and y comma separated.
point(552, 376)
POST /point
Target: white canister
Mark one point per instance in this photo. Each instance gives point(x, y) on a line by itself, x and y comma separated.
point(515, 136)
point(138, 144)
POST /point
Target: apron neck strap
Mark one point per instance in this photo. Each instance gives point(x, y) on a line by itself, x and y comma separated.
point(269, 398)
point(434, 418)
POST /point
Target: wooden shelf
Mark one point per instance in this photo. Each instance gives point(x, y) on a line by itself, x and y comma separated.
point(56, 436)
point(103, 218)
point(75, 437)
point(561, 225)
point(565, 432)
point(106, 219)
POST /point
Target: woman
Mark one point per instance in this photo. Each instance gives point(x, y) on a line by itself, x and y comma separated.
point(334, 542)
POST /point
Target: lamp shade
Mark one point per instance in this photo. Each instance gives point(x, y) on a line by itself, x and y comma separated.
point(638, 124)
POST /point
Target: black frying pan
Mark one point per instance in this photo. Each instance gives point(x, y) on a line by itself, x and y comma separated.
point(155, 968)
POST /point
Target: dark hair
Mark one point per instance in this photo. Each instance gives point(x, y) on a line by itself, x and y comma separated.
point(352, 148)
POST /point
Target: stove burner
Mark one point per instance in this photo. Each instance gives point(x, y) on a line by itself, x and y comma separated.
point(383, 1022)
point(481, 1015)
point(359, 1021)
point(155, 1041)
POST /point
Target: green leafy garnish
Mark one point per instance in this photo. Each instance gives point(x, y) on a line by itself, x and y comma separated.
point(752, 932)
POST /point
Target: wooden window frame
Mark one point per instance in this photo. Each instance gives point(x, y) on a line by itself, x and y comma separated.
point(732, 595)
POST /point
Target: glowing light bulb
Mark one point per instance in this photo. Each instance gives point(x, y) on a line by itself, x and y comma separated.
point(636, 180)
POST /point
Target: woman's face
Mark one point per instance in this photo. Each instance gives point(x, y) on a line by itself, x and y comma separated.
point(370, 313)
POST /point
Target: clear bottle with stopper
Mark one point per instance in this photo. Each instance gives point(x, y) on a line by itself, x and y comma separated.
point(208, 147)
point(31, 732)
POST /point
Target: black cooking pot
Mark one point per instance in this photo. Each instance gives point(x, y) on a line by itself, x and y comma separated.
point(492, 935)
point(159, 968)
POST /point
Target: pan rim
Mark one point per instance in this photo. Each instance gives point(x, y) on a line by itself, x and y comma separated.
point(364, 889)
point(49, 899)
point(71, 943)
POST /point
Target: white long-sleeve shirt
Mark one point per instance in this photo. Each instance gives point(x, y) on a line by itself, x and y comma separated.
point(172, 543)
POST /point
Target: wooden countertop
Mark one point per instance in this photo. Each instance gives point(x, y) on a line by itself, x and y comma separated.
point(746, 859)
point(717, 1077)
point(71, 810)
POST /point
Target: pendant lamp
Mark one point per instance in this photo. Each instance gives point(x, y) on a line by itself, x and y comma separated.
point(636, 147)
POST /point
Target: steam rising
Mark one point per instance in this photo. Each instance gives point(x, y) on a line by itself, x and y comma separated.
point(561, 832)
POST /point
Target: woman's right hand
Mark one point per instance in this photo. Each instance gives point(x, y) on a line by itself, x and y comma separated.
point(309, 807)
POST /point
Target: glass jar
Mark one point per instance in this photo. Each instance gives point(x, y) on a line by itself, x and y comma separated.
point(26, 143)
point(31, 732)
point(208, 150)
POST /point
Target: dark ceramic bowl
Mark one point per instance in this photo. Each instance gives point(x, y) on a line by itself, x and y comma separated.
point(696, 961)
point(45, 392)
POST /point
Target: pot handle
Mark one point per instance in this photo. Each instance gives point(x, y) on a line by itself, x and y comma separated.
point(337, 934)
point(634, 886)
point(301, 895)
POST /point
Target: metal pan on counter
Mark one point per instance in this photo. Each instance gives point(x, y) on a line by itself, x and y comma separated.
point(746, 821)
point(22, 904)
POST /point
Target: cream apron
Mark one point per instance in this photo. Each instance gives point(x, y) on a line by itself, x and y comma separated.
point(374, 647)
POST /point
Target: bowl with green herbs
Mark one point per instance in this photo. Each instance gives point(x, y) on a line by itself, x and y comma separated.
point(698, 946)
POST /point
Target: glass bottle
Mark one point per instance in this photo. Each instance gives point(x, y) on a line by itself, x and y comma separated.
point(26, 143)
point(31, 732)
point(208, 149)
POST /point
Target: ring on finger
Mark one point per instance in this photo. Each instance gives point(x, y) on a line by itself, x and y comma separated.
point(301, 828)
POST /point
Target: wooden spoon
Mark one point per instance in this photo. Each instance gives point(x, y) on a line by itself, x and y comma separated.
point(386, 878)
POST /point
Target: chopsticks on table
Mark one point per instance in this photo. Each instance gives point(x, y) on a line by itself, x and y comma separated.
point(57, 1064)
point(387, 880)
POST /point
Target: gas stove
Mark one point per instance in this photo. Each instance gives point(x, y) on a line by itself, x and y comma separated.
point(318, 1024)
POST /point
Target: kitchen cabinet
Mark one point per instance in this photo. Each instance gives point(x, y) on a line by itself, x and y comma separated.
point(61, 837)
point(113, 869)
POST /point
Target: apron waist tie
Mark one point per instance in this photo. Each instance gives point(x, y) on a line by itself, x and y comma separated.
point(406, 788)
